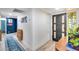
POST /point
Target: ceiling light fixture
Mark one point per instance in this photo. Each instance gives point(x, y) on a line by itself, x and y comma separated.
point(10, 14)
point(57, 8)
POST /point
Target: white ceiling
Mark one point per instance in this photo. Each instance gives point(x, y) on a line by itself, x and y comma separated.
point(54, 11)
point(11, 9)
point(6, 11)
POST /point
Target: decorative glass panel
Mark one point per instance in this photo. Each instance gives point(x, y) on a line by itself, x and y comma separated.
point(54, 34)
point(63, 19)
point(62, 27)
point(54, 27)
point(62, 34)
point(54, 19)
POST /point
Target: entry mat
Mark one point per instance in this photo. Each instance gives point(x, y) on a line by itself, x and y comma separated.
point(12, 45)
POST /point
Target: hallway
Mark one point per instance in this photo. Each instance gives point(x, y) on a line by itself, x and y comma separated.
point(37, 29)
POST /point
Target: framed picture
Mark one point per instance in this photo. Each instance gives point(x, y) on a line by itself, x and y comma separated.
point(24, 19)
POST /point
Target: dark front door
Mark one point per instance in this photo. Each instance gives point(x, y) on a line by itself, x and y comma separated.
point(59, 26)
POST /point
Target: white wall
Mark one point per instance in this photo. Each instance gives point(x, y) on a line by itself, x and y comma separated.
point(41, 28)
point(27, 31)
point(19, 24)
point(37, 31)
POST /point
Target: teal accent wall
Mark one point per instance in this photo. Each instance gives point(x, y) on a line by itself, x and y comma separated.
point(3, 26)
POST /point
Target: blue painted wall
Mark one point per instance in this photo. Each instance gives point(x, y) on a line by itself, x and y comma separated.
point(11, 28)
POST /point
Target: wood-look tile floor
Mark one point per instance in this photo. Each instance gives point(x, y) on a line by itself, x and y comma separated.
point(49, 46)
